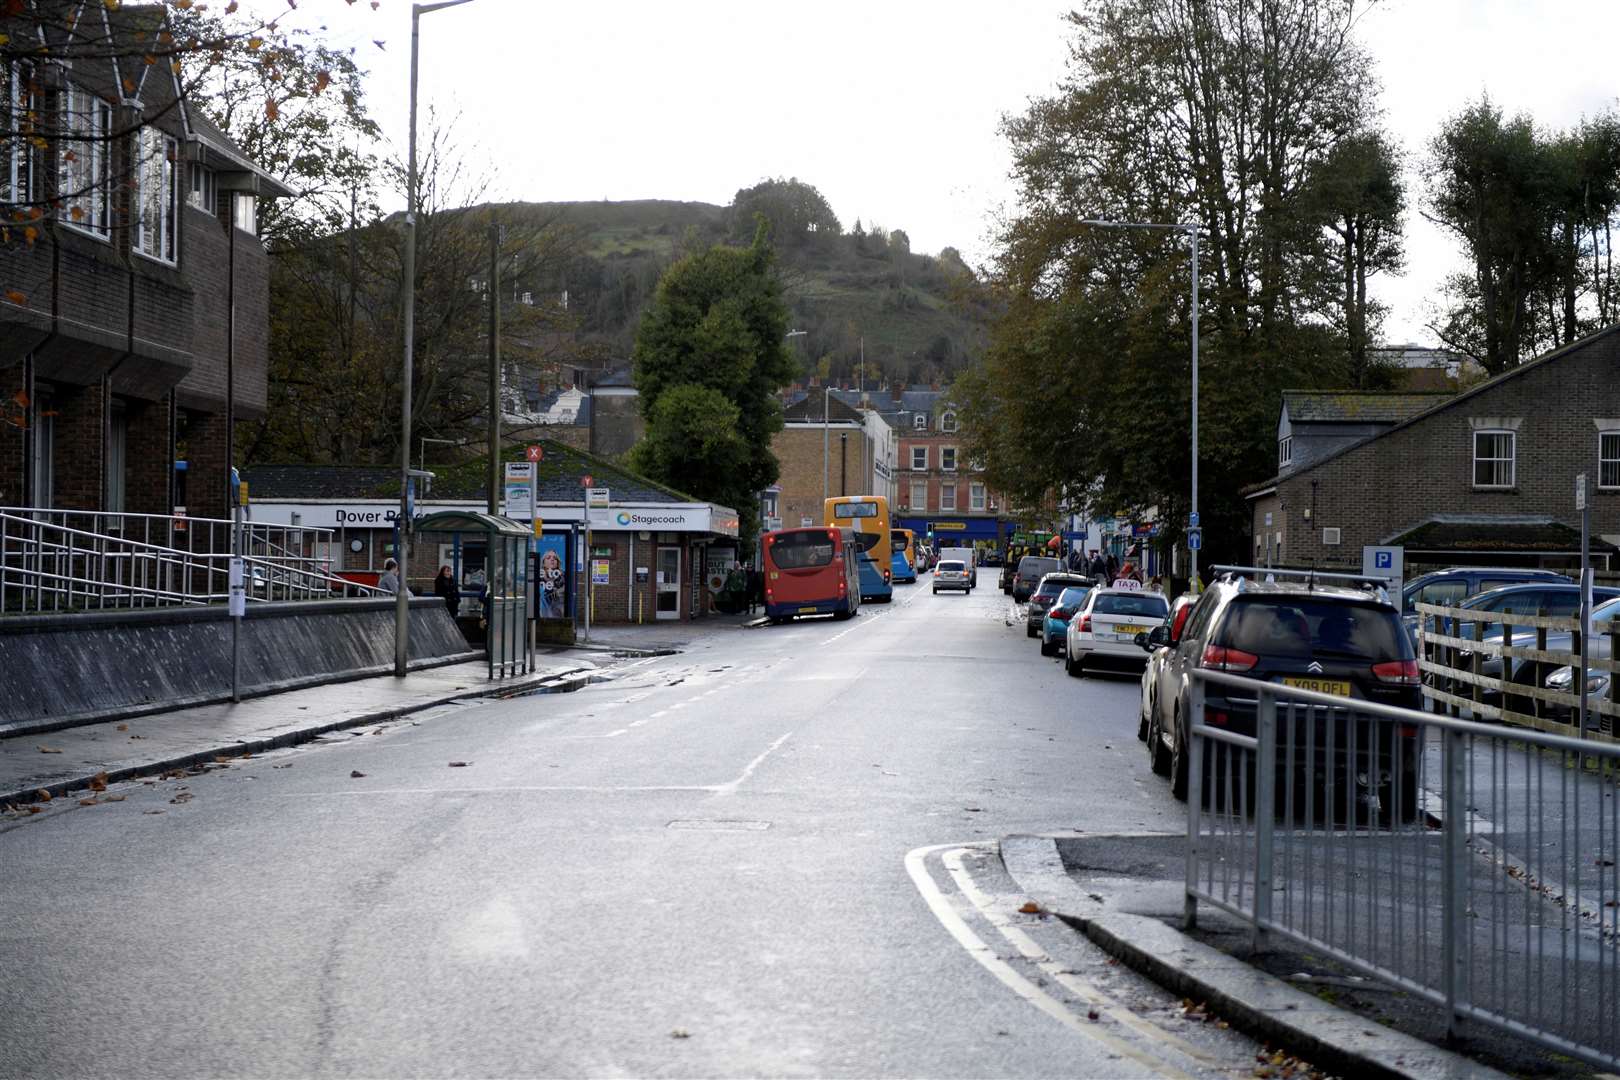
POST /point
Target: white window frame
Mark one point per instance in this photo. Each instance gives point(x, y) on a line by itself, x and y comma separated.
point(155, 196)
point(1511, 458)
point(241, 199)
point(947, 422)
point(919, 459)
point(919, 503)
point(82, 181)
point(947, 459)
point(1285, 451)
point(976, 497)
point(203, 190)
point(947, 496)
point(919, 422)
point(16, 101)
point(1612, 461)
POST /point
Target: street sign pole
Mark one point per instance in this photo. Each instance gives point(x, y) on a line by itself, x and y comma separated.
point(587, 594)
point(1586, 591)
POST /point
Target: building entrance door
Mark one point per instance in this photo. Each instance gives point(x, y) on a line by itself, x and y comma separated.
point(669, 583)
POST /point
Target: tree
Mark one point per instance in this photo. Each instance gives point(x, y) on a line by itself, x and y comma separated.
point(1357, 194)
point(1534, 211)
point(1218, 113)
point(710, 356)
point(797, 212)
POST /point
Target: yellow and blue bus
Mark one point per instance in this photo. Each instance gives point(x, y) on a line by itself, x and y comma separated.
point(868, 517)
point(903, 560)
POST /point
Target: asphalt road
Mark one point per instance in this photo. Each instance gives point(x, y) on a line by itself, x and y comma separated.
point(699, 867)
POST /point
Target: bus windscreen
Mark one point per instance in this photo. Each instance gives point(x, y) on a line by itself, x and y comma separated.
point(801, 550)
point(855, 510)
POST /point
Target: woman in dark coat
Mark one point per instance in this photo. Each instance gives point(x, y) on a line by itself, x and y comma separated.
point(445, 585)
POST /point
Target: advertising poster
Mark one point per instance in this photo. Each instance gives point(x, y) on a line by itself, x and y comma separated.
point(551, 576)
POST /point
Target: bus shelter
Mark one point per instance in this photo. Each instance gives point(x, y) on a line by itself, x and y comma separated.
point(506, 578)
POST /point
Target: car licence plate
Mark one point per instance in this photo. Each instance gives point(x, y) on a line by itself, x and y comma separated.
point(1337, 687)
point(811, 610)
point(1129, 631)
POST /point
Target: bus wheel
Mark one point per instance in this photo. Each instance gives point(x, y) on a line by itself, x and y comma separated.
point(842, 613)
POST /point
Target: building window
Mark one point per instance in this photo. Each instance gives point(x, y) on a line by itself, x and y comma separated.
point(245, 213)
point(947, 458)
point(919, 458)
point(82, 160)
point(157, 197)
point(1609, 459)
point(17, 103)
point(919, 495)
point(919, 422)
point(947, 496)
point(204, 192)
point(947, 422)
point(976, 497)
point(1493, 458)
point(1285, 452)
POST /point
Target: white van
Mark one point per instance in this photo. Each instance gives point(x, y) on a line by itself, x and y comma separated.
point(964, 555)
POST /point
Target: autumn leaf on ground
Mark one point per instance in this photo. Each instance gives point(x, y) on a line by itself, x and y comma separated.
point(87, 802)
point(123, 727)
point(98, 782)
point(16, 297)
point(680, 1033)
point(49, 750)
point(1030, 908)
point(42, 795)
point(114, 798)
point(356, 774)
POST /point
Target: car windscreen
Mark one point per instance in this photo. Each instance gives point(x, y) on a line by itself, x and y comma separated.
point(951, 565)
point(1301, 627)
point(802, 550)
point(1143, 604)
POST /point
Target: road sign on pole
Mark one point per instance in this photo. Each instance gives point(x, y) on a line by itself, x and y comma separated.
point(1195, 539)
point(535, 453)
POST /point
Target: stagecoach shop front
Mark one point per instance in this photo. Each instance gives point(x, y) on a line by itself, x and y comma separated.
point(645, 561)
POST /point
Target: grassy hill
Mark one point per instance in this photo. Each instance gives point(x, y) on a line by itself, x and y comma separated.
point(922, 316)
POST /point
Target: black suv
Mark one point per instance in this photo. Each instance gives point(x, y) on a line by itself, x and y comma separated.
point(1333, 640)
point(1045, 594)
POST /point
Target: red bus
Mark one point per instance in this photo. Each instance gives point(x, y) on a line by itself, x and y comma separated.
point(811, 572)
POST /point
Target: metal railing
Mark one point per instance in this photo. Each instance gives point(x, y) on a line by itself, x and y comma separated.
point(1468, 864)
point(60, 561)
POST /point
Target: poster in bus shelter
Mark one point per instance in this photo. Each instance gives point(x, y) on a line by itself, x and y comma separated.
point(551, 576)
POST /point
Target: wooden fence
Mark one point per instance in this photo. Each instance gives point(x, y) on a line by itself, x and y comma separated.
point(1454, 678)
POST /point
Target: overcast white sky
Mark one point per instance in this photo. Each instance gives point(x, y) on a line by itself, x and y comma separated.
point(889, 107)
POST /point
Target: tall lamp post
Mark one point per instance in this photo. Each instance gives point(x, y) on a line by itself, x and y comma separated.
point(1192, 234)
point(402, 599)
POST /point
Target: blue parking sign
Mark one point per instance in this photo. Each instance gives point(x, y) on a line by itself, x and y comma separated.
point(1384, 560)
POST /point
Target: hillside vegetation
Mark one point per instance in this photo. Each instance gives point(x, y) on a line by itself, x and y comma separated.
point(922, 316)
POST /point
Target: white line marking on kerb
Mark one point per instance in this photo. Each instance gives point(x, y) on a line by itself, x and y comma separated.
point(976, 947)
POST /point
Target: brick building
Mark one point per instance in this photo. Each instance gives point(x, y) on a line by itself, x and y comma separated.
point(940, 489)
point(138, 312)
point(1485, 476)
point(820, 457)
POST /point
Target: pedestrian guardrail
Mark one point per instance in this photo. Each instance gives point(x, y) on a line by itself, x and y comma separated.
point(1471, 664)
point(62, 561)
point(1469, 864)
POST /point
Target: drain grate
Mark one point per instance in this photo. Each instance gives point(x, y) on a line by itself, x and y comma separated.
point(718, 825)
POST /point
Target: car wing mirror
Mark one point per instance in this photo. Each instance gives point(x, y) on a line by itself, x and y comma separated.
point(1144, 641)
point(1160, 636)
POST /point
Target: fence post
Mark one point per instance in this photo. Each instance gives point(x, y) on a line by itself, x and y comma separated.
point(1454, 874)
point(1265, 805)
point(1195, 796)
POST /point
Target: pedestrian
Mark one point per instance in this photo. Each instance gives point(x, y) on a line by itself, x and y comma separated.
point(756, 588)
point(1098, 569)
point(389, 581)
point(445, 585)
point(1113, 566)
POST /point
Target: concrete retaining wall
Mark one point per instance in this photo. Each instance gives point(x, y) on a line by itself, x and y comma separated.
point(56, 671)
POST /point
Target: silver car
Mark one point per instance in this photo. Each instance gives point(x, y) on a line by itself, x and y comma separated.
point(952, 574)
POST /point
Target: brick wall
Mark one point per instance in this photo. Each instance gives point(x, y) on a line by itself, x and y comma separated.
point(78, 444)
point(799, 452)
point(937, 478)
point(148, 457)
point(203, 447)
point(1401, 479)
point(13, 436)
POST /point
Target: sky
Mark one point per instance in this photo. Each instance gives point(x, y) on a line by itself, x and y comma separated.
point(890, 107)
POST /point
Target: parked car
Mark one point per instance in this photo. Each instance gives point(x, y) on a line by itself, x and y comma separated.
point(1104, 631)
point(1031, 568)
point(1055, 623)
point(1045, 594)
point(1340, 641)
point(1451, 587)
point(952, 574)
point(1180, 607)
point(1525, 672)
point(963, 555)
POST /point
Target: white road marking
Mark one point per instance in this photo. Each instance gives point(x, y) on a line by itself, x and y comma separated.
point(615, 734)
point(731, 788)
point(976, 947)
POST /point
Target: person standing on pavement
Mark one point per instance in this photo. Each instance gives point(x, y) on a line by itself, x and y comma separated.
point(389, 581)
point(445, 586)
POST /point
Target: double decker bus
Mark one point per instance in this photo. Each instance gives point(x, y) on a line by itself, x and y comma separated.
point(903, 562)
point(811, 572)
point(868, 517)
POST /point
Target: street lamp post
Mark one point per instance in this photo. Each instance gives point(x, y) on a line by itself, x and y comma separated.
point(402, 599)
point(1192, 233)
